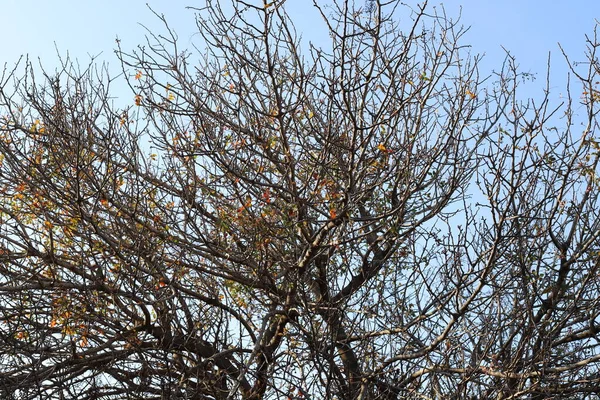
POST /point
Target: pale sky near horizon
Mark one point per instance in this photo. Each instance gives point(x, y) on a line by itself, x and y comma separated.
point(529, 29)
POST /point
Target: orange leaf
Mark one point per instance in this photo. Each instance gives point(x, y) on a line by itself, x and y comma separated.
point(138, 100)
point(332, 213)
point(267, 196)
point(381, 147)
point(161, 283)
point(248, 204)
point(138, 75)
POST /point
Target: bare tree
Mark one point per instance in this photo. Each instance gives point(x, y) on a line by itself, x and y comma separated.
point(371, 219)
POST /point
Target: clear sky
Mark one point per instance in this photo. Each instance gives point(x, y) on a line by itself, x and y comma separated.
point(528, 28)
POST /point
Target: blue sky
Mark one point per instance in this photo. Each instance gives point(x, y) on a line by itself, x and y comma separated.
point(528, 28)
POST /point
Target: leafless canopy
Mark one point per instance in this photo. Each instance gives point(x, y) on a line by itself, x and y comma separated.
point(270, 219)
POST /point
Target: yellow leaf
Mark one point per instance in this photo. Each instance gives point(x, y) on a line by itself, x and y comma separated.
point(68, 330)
point(381, 147)
point(171, 96)
point(267, 5)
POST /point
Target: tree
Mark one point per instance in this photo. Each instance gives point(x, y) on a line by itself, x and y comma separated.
point(373, 219)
